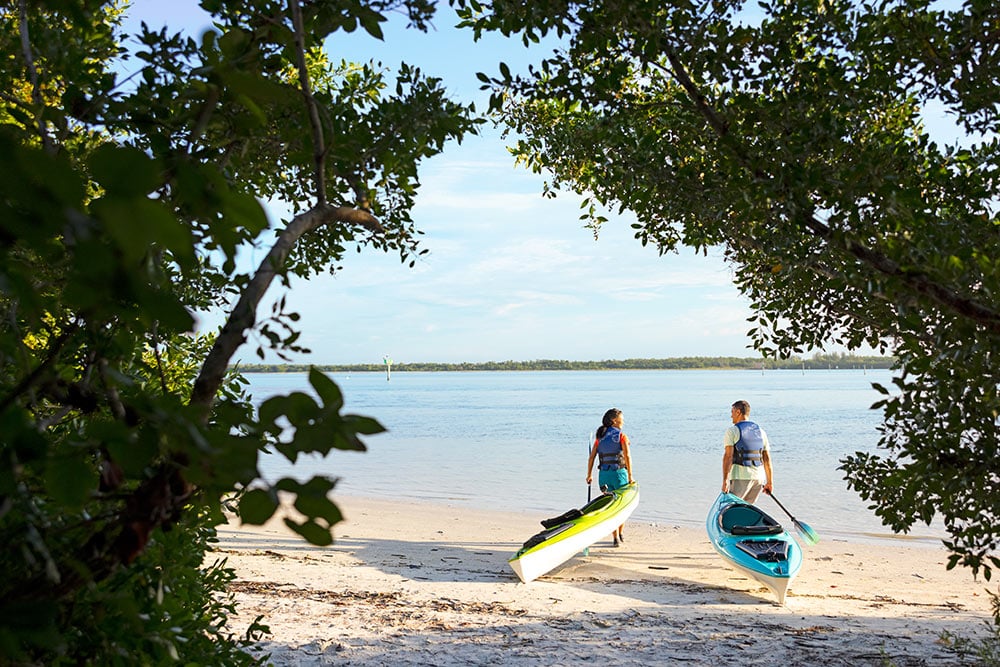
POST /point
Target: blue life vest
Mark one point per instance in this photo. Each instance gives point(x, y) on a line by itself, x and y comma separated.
point(749, 449)
point(609, 448)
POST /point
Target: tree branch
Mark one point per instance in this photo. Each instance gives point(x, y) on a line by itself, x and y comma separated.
point(35, 375)
point(918, 281)
point(244, 313)
point(319, 145)
point(680, 73)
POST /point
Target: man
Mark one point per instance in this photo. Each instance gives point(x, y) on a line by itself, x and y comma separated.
point(746, 465)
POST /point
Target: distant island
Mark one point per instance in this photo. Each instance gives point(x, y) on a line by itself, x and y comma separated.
point(819, 361)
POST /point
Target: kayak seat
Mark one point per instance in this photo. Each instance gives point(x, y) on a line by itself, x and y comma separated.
point(538, 538)
point(769, 551)
point(569, 515)
point(757, 530)
point(748, 520)
point(597, 503)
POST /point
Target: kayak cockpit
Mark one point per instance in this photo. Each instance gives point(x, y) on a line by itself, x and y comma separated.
point(742, 519)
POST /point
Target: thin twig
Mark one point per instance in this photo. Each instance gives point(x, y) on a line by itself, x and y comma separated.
point(36, 89)
point(114, 399)
point(159, 360)
point(29, 380)
point(319, 146)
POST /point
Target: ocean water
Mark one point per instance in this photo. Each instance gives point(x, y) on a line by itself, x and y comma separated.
point(519, 440)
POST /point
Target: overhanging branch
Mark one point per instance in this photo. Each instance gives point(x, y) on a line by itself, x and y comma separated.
point(244, 313)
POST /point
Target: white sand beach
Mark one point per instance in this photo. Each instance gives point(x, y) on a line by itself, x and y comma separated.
point(414, 583)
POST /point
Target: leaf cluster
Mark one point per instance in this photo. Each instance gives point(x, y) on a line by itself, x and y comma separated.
point(127, 204)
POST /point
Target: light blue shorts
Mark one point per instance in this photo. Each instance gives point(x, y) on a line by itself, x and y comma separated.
point(613, 479)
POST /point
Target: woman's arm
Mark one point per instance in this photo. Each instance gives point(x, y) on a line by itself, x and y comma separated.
point(627, 451)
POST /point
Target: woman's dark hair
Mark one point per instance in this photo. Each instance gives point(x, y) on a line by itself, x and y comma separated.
point(609, 419)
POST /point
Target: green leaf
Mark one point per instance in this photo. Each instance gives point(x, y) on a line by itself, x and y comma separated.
point(257, 506)
point(298, 407)
point(138, 225)
point(301, 408)
point(362, 425)
point(244, 210)
point(125, 171)
point(233, 42)
point(319, 506)
point(22, 436)
point(53, 173)
point(312, 531)
point(133, 454)
point(270, 411)
point(370, 21)
point(326, 389)
point(29, 623)
point(70, 480)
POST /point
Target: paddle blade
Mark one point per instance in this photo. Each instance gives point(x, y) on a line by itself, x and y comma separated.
point(808, 535)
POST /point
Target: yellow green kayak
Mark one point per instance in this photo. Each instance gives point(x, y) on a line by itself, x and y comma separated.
point(574, 531)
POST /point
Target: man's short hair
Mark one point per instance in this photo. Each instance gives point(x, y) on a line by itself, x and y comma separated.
point(743, 407)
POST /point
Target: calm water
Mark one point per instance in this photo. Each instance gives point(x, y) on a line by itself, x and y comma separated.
point(520, 440)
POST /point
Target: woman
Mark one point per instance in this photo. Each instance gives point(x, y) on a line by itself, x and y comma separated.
point(615, 459)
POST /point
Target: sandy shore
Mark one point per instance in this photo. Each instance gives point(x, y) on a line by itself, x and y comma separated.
point(422, 584)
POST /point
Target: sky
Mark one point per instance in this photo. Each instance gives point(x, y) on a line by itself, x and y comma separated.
point(509, 274)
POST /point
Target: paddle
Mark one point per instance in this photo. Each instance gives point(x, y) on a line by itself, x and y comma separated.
point(586, 551)
point(808, 534)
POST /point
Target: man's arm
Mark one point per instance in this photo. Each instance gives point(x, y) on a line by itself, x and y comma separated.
point(766, 457)
point(727, 465)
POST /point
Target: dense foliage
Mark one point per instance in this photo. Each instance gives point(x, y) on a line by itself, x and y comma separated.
point(793, 135)
point(127, 188)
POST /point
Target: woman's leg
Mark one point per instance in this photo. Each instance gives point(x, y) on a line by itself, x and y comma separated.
point(610, 480)
point(622, 482)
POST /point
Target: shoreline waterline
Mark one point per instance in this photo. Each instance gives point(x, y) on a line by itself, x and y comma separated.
point(531, 517)
point(519, 440)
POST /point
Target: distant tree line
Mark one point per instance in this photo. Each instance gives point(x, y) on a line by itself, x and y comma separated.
point(819, 361)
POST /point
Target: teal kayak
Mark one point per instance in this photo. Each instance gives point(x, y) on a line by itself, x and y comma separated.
point(754, 543)
point(573, 531)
